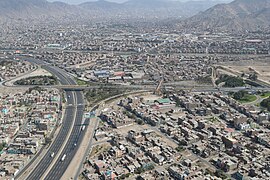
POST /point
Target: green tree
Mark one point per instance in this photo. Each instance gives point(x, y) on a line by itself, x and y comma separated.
point(231, 81)
point(2, 145)
point(239, 95)
point(266, 103)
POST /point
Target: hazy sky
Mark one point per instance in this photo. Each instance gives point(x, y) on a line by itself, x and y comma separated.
point(119, 1)
point(81, 1)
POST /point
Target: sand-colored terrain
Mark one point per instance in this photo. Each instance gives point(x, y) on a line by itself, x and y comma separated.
point(260, 67)
point(263, 72)
point(38, 72)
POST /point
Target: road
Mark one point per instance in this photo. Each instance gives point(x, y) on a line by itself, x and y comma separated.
point(152, 87)
point(97, 108)
point(73, 115)
point(72, 145)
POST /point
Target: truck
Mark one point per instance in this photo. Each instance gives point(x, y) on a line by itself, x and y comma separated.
point(64, 157)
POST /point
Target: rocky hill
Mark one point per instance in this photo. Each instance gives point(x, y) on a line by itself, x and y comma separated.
point(20, 9)
point(145, 9)
point(239, 15)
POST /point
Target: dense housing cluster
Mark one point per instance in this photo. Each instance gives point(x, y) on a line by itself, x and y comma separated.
point(27, 120)
point(207, 135)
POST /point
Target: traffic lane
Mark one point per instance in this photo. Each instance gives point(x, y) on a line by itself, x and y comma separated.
point(46, 161)
point(75, 133)
point(64, 80)
point(61, 74)
point(60, 166)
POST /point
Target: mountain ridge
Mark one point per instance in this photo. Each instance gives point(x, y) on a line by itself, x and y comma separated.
point(34, 9)
point(239, 15)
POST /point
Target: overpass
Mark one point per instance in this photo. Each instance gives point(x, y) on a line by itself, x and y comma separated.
point(153, 88)
point(81, 88)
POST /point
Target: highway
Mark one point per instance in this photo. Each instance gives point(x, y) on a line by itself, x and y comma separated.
point(152, 88)
point(73, 116)
point(72, 122)
point(72, 145)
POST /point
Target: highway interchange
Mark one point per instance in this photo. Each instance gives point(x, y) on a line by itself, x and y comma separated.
point(71, 134)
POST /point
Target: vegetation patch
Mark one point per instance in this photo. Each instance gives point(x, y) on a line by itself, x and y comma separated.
point(96, 95)
point(219, 173)
point(37, 81)
point(133, 116)
point(180, 148)
point(99, 149)
point(213, 119)
point(265, 94)
point(243, 97)
point(125, 176)
point(141, 170)
point(5, 63)
point(204, 80)
point(2, 146)
point(36, 88)
point(266, 103)
point(230, 81)
point(81, 82)
point(252, 83)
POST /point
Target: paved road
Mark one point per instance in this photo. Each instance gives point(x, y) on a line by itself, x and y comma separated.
point(73, 113)
point(152, 87)
point(72, 145)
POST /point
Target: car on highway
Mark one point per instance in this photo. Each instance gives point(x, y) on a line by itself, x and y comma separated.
point(83, 127)
point(68, 96)
point(64, 157)
point(52, 154)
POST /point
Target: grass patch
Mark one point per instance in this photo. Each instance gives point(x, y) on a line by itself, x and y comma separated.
point(247, 99)
point(96, 95)
point(81, 82)
point(265, 95)
point(180, 149)
point(243, 96)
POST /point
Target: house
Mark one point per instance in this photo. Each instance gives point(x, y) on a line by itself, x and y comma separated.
point(100, 166)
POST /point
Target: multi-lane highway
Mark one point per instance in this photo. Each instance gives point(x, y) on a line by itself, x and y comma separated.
point(72, 145)
point(71, 134)
point(63, 143)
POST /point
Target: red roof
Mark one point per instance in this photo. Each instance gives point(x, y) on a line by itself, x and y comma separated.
point(230, 130)
point(119, 73)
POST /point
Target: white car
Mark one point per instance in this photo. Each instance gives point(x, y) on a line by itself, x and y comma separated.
point(64, 157)
point(52, 154)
